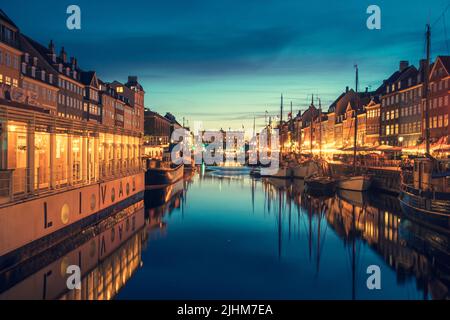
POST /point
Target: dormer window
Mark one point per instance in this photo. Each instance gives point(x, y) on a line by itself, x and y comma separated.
point(27, 58)
point(50, 78)
point(119, 89)
point(68, 72)
point(35, 60)
point(74, 74)
point(60, 67)
point(43, 75)
point(33, 71)
point(24, 68)
point(399, 85)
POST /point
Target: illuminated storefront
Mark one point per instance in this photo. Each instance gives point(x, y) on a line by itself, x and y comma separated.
point(44, 153)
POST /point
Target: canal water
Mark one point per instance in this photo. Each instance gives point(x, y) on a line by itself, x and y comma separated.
point(231, 236)
point(217, 235)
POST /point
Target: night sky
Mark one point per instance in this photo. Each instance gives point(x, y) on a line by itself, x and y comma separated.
point(223, 62)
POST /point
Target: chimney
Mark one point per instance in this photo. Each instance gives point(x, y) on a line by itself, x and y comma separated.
point(346, 89)
point(132, 79)
point(423, 64)
point(73, 62)
point(63, 55)
point(367, 89)
point(403, 65)
point(51, 47)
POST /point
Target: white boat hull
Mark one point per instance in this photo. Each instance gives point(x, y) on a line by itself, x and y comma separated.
point(282, 172)
point(305, 170)
point(357, 183)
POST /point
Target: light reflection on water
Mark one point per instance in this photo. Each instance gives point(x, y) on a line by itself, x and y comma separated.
point(217, 235)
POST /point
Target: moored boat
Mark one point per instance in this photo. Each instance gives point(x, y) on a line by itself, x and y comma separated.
point(355, 183)
point(426, 194)
point(320, 185)
point(159, 173)
point(305, 169)
point(283, 172)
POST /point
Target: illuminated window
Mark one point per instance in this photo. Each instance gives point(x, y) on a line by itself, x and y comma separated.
point(61, 158)
point(119, 89)
point(15, 83)
point(42, 159)
point(1, 78)
point(8, 81)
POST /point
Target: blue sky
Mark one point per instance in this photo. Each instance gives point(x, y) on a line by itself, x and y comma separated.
point(224, 62)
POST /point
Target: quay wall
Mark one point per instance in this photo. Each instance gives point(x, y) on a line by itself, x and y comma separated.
point(385, 179)
point(45, 277)
point(27, 221)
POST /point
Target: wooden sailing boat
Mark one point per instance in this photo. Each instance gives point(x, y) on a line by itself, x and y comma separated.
point(307, 168)
point(320, 182)
point(425, 192)
point(284, 170)
point(355, 182)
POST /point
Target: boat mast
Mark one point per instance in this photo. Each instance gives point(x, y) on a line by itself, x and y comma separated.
point(426, 93)
point(254, 126)
point(281, 127)
point(320, 129)
point(291, 128)
point(356, 121)
point(311, 124)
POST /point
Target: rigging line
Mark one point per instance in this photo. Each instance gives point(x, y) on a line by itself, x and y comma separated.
point(441, 15)
point(445, 33)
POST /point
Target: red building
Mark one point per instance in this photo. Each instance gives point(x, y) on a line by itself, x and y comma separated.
point(439, 107)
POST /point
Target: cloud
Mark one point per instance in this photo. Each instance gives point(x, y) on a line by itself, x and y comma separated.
point(201, 53)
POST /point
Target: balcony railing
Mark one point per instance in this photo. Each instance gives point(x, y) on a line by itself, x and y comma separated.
point(20, 183)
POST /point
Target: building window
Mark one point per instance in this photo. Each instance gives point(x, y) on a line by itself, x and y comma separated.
point(17, 154)
point(76, 156)
point(61, 158)
point(42, 159)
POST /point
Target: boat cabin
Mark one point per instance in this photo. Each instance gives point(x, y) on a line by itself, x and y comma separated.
point(431, 175)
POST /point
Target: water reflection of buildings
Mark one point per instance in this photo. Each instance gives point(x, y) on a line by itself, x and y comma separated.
point(108, 254)
point(379, 224)
point(412, 250)
point(163, 201)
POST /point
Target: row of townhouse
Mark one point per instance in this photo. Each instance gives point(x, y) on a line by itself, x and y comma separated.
point(39, 77)
point(391, 115)
point(59, 124)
